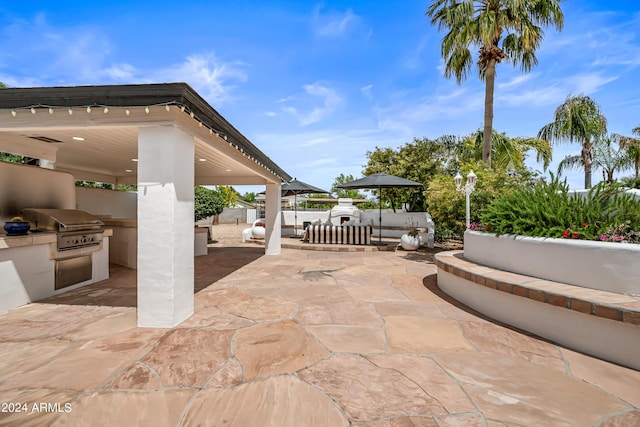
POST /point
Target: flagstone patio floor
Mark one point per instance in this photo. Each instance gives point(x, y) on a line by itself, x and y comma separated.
point(306, 338)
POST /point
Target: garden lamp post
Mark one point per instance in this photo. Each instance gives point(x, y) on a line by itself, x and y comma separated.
point(467, 189)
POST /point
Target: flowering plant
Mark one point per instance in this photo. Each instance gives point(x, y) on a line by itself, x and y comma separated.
point(477, 226)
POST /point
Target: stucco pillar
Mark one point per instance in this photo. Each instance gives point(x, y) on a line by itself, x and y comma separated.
point(273, 231)
point(165, 226)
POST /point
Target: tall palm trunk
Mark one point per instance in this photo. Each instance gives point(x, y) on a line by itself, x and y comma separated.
point(490, 78)
point(587, 161)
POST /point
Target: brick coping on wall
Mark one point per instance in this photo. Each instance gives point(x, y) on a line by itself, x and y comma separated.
point(608, 305)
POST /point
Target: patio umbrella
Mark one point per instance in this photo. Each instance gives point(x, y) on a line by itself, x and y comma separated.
point(295, 187)
point(380, 180)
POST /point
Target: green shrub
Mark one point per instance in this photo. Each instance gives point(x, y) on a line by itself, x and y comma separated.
point(207, 203)
point(447, 206)
point(548, 210)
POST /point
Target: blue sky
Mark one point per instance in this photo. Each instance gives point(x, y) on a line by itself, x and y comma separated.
point(317, 85)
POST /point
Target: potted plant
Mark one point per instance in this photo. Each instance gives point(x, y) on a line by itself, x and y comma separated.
point(410, 241)
point(16, 227)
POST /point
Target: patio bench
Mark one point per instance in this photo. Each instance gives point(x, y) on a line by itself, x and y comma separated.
point(338, 234)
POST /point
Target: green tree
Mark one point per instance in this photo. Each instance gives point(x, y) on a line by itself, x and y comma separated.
point(228, 194)
point(577, 120)
point(249, 197)
point(343, 192)
point(207, 203)
point(605, 156)
point(507, 30)
point(510, 153)
point(632, 147)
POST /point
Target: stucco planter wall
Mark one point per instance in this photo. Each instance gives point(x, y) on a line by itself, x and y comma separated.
point(612, 267)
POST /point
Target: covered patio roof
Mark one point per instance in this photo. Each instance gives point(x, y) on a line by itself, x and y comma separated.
point(163, 137)
point(48, 122)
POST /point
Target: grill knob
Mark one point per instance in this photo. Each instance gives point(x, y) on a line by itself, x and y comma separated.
point(75, 241)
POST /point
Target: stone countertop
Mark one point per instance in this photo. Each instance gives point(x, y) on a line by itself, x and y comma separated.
point(38, 238)
point(120, 222)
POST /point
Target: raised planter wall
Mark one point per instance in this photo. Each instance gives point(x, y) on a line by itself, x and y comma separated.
point(612, 267)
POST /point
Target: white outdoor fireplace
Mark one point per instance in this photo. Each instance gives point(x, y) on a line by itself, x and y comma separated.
point(343, 212)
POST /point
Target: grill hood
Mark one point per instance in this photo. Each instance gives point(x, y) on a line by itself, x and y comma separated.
point(61, 220)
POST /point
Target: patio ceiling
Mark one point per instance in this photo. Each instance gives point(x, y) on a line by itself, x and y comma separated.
point(43, 122)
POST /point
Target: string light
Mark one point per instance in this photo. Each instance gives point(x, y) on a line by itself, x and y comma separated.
point(167, 107)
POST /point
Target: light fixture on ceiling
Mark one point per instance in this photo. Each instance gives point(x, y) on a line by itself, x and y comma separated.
point(128, 170)
point(134, 160)
point(202, 160)
point(33, 110)
point(146, 110)
point(228, 170)
point(78, 138)
point(89, 109)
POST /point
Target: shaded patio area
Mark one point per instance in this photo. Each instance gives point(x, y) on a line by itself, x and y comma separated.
point(307, 338)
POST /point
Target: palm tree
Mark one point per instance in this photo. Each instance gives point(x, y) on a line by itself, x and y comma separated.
point(500, 29)
point(509, 153)
point(632, 146)
point(605, 157)
point(579, 120)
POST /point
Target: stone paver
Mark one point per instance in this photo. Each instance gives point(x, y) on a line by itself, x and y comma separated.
point(307, 338)
point(275, 348)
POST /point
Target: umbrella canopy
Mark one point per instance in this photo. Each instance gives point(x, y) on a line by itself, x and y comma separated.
point(380, 180)
point(295, 187)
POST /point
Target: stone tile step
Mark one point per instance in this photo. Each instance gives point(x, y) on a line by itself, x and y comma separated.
point(608, 305)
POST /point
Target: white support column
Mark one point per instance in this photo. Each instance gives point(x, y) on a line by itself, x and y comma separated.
point(273, 232)
point(165, 226)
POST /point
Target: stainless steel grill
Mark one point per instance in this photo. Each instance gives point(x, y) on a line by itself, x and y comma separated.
point(74, 228)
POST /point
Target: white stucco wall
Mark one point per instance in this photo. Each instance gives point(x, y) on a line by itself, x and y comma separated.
point(607, 339)
point(103, 202)
point(612, 267)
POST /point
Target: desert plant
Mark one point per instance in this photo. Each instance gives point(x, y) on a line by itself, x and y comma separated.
point(549, 210)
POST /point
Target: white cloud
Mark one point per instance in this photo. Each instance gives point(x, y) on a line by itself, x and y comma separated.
point(333, 24)
point(212, 78)
point(270, 113)
point(366, 91)
point(330, 101)
point(516, 81)
point(121, 72)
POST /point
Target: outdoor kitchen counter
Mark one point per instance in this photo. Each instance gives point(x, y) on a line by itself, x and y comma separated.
point(28, 266)
point(31, 239)
point(123, 249)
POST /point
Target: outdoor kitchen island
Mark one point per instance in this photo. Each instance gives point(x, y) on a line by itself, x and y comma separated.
point(28, 266)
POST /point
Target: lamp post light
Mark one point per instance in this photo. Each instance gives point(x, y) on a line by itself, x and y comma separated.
point(467, 189)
